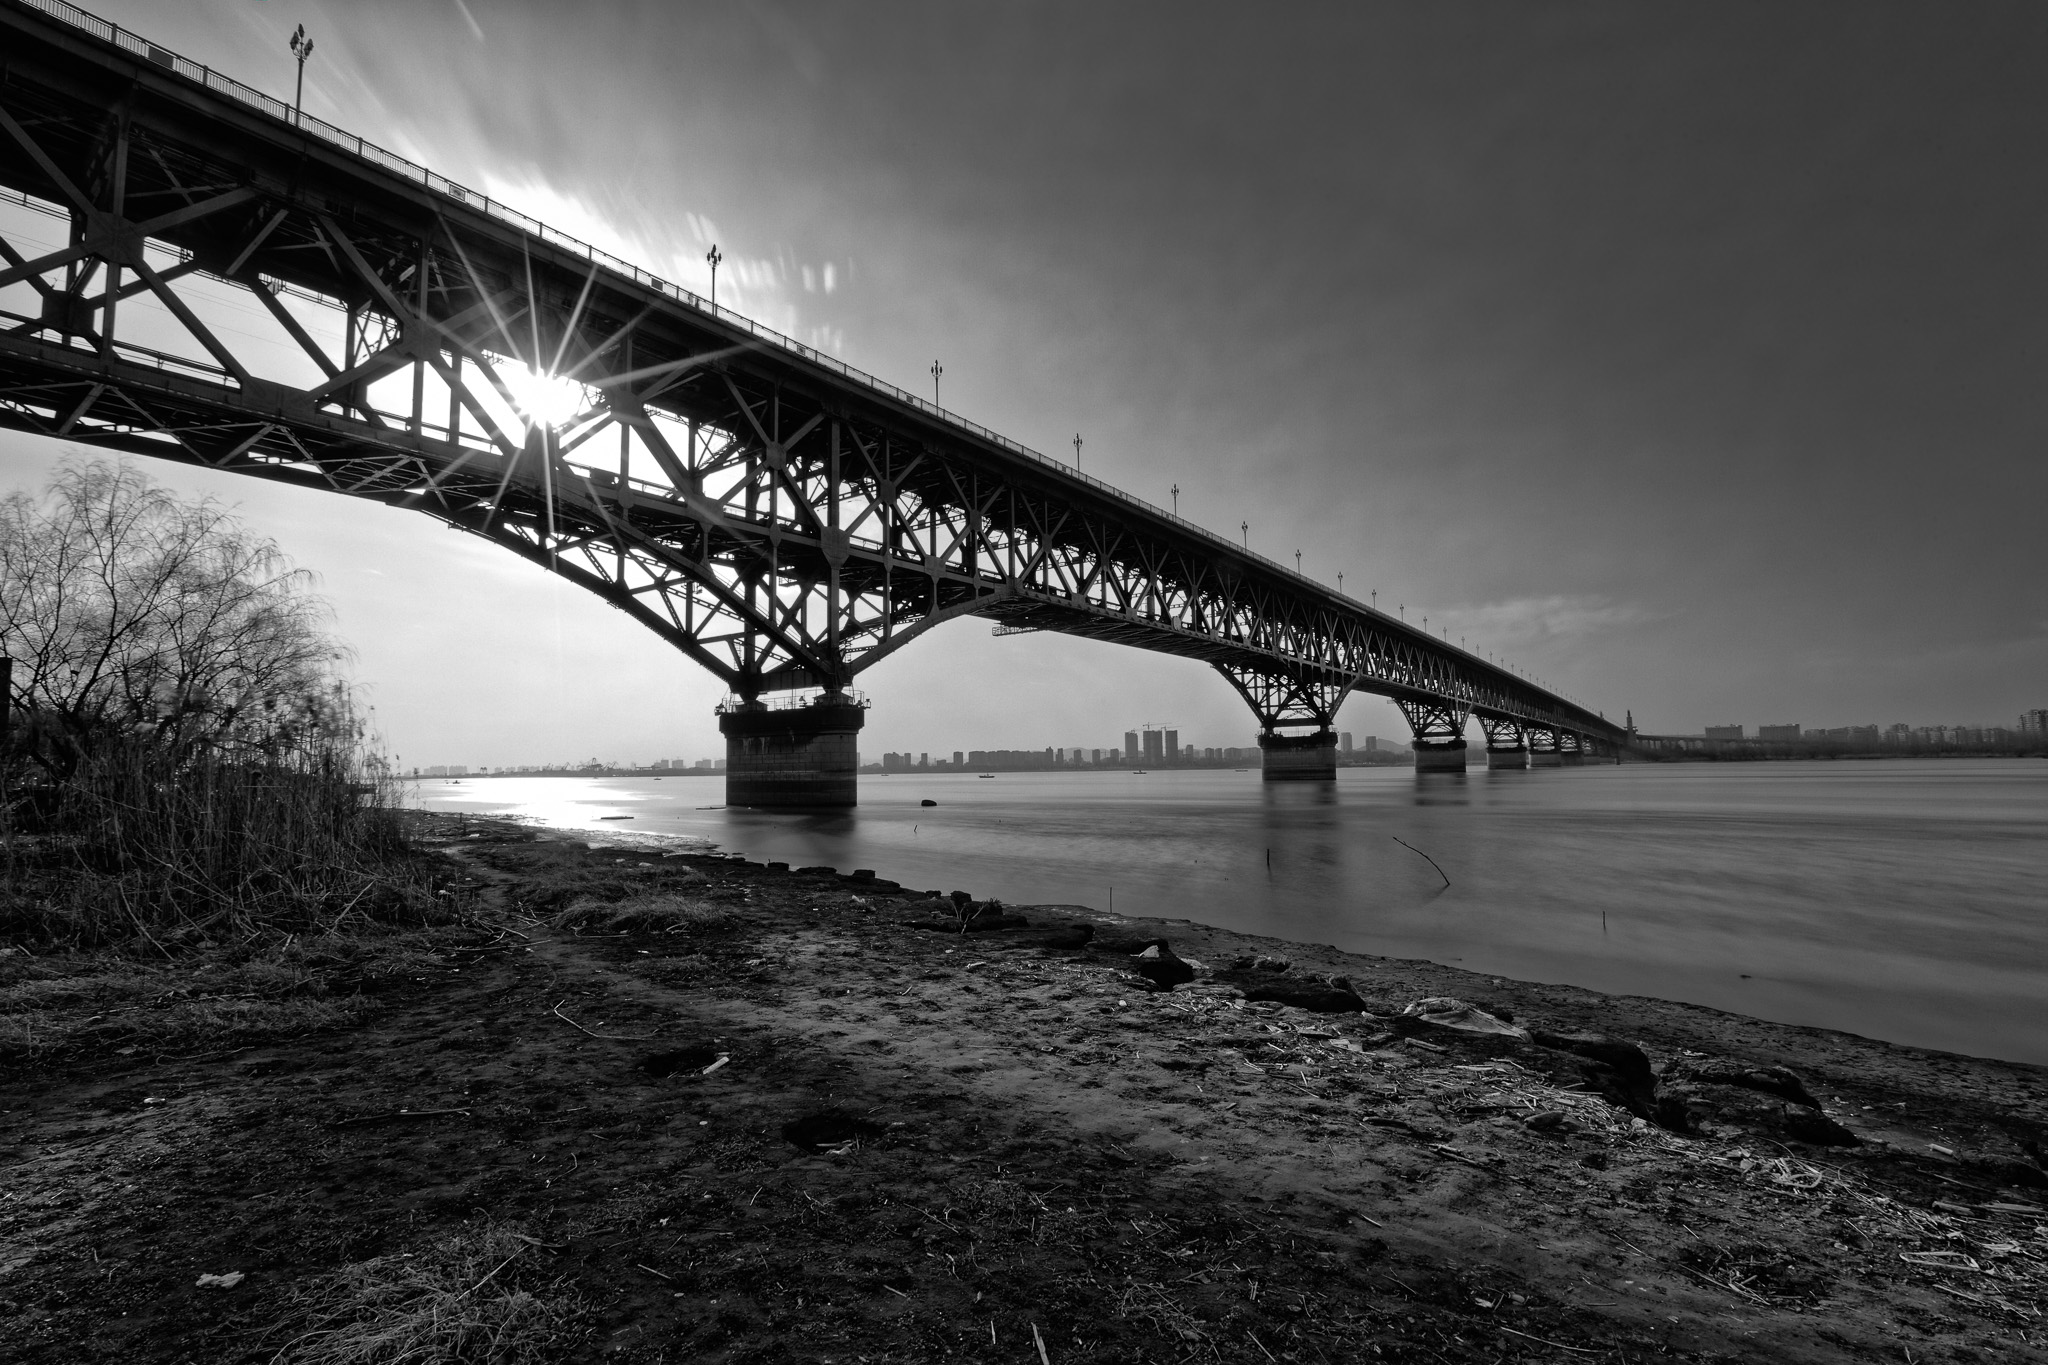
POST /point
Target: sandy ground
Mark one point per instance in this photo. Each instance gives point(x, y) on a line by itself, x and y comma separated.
point(748, 1114)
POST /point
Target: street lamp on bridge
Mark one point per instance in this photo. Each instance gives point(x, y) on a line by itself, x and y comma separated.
point(1077, 450)
point(1340, 580)
point(1244, 528)
point(937, 370)
point(302, 48)
point(1176, 499)
point(1297, 561)
point(714, 256)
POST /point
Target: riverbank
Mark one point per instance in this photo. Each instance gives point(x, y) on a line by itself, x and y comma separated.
point(709, 1110)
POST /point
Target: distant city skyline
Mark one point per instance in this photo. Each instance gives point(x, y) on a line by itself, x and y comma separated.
point(2033, 722)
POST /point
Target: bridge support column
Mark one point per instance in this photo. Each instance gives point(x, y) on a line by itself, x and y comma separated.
point(1294, 700)
point(1440, 758)
point(793, 757)
point(1439, 735)
point(1505, 744)
point(1299, 758)
point(1543, 748)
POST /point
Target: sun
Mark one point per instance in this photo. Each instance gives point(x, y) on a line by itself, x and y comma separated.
point(544, 400)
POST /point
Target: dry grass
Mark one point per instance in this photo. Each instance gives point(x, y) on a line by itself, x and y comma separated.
point(646, 913)
point(143, 839)
point(68, 1005)
point(478, 1296)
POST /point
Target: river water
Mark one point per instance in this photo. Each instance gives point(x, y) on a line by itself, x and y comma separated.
point(1898, 899)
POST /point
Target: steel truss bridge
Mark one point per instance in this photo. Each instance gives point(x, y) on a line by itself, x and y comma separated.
point(784, 520)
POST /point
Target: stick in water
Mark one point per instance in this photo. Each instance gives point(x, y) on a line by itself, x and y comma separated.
point(1425, 857)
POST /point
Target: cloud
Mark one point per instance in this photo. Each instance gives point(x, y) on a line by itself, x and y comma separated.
point(1522, 622)
point(470, 19)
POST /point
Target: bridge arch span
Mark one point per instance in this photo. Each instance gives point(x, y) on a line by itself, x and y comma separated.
point(779, 517)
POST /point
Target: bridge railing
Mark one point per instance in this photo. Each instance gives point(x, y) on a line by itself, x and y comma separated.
point(441, 184)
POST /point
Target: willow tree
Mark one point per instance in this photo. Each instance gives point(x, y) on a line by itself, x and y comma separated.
point(131, 612)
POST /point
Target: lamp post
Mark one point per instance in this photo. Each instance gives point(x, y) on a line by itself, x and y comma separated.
point(937, 370)
point(1297, 561)
point(714, 256)
point(1340, 581)
point(302, 48)
point(1244, 528)
point(1077, 450)
point(1375, 599)
point(1176, 499)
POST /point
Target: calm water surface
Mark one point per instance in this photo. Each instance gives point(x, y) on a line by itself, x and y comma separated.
point(1901, 900)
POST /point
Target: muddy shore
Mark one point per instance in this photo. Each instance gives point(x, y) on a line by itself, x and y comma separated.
point(719, 1111)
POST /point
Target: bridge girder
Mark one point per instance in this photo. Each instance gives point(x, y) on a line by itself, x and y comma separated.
point(780, 519)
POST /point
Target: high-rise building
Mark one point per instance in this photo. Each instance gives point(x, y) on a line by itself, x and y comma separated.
point(1777, 732)
point(1724, 732)
point(1172, 746)
point(1153, 742)
point(1372, 744)
point(1095, 755)
point(2034, 722)
point(1130, 746)
point(1344, 741)
point(959, 759)
point(924, 760)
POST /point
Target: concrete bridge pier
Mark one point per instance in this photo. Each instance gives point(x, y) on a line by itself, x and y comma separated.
point(1506, 745)
point(1299, 758)
point(1297, 700)
point(793, 757)
point(1447, 757)
point(1543, 749)
point(1439, 735)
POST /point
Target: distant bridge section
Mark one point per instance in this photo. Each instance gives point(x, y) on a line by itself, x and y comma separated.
point(220, 282)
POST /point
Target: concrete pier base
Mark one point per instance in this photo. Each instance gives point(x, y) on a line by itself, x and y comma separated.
point(1440, 758)
point(1507, 758)
point(1546, 758)
point(1573, 760)
point(1299, 758)
point(795, 758)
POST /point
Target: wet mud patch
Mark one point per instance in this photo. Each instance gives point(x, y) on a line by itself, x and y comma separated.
point(681, 1061)
point(829, 1128)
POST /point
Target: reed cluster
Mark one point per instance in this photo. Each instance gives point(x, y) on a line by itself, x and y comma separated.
point(290, 825)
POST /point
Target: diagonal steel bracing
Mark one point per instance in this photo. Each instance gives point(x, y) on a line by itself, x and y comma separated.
point(779, 518)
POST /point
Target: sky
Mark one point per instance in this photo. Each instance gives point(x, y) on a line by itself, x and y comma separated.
point(1687, 357)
